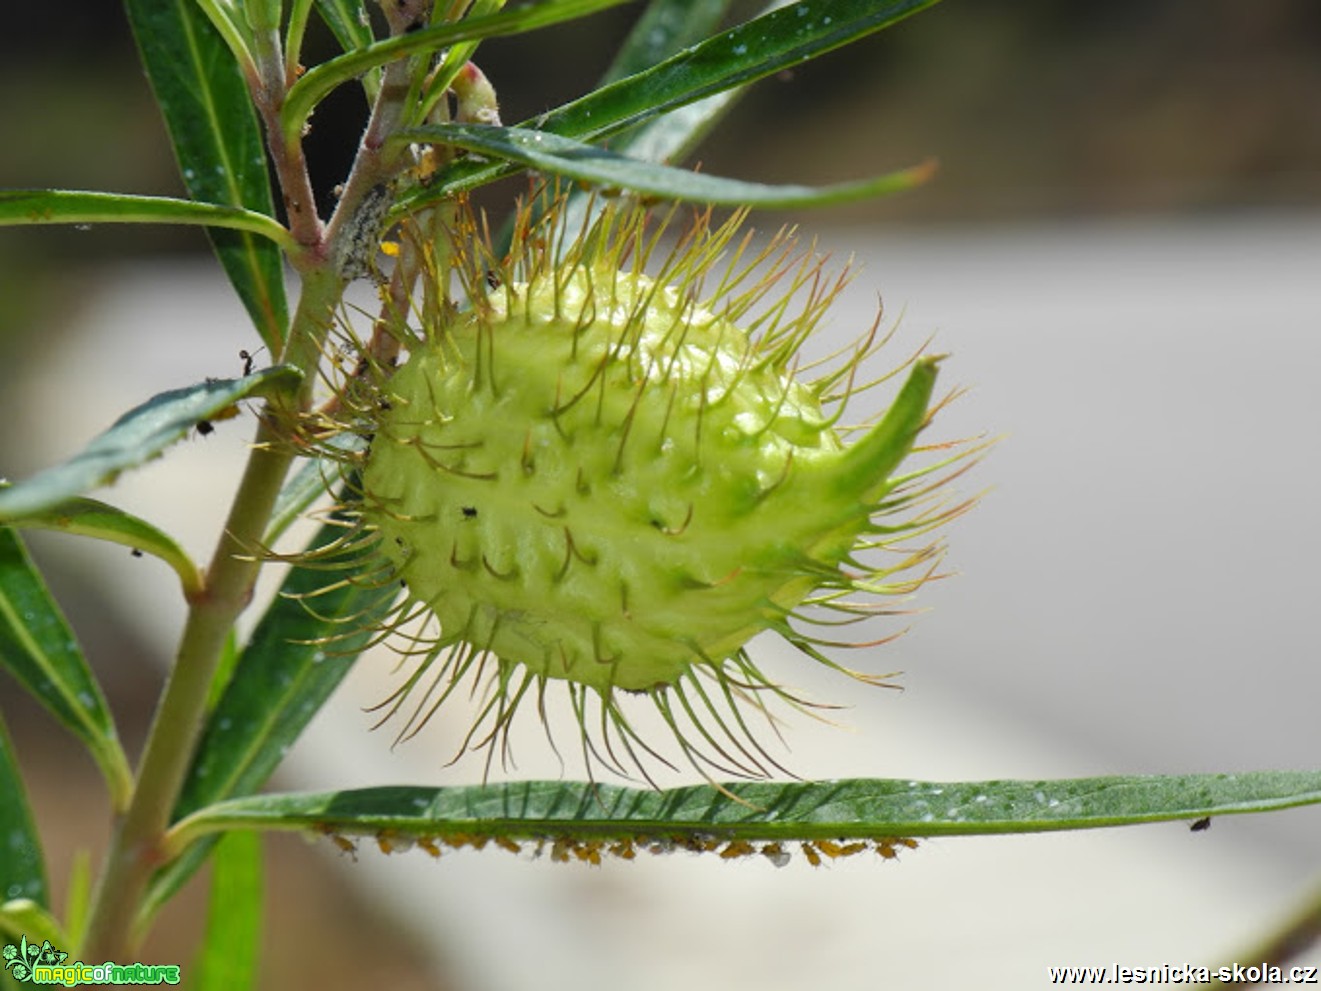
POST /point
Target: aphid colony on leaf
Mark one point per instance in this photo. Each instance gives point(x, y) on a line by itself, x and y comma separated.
point(593, 476)
point(588, 850)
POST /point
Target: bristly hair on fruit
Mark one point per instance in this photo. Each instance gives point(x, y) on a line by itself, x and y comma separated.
point(609, 463)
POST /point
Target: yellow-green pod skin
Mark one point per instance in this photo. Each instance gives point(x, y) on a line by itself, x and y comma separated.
point(594, 478)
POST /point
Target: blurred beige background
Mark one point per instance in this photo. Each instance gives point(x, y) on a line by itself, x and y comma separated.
point(1120, 250)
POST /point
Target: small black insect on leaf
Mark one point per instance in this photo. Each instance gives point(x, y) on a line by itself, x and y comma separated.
point(1201, 824)
point(204, 427)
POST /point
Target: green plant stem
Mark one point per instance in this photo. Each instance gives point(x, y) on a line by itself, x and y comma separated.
point(136, 846)
point(178, 721)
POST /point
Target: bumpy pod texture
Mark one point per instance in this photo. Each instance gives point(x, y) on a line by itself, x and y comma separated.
point(590, 476)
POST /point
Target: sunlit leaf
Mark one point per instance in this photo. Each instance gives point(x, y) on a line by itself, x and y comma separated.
point(758, 48)
point(136, 437)
point(853, 809)
point(63, 206)
point(91, 518)
point(586, 163)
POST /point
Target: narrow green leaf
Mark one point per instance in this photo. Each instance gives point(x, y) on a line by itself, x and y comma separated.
point(587, 163)
point(317, 83)
point(780, 39)
point(853, 809)
point(347, 20)
point(233, 29)
point(228, 960)
point(204, 99)
point(672, 136)
point(78, 900)
point(758, 48)
point(62, 206)
point(23, 918)
point(90, 518)
point(302, 648)
point(665, 28)
point(38, 648)
point(136, 437)
point(22, 867)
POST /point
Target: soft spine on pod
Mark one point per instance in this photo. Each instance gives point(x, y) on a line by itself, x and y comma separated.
point(590, 476)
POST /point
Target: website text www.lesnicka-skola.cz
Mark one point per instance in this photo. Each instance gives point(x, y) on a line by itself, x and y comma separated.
point(1186, 974)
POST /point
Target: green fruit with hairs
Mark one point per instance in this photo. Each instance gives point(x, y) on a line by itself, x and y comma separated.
point(589, 476)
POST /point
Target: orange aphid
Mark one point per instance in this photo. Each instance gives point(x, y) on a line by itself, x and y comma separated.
point(589, 852)
point(830, 848)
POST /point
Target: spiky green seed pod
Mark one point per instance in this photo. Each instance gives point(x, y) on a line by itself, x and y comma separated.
point(591, 476)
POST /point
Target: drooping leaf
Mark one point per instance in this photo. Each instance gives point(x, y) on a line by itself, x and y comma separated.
point(317, 83)
point(588, 163)
point(664, 29)
point(228, 960)
point(22, 867)
point(91, 518)
point(758, 48)
point(64, 206)
point(854, 809)
point(302, 648)
point(137, 437)
point(217, 140)
point(38, 648)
